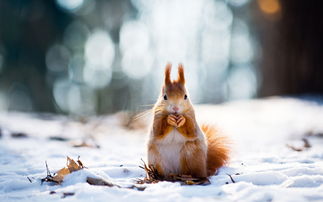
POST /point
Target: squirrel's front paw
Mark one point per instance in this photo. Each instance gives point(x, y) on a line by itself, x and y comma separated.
point(180, 121)
point(172, 120)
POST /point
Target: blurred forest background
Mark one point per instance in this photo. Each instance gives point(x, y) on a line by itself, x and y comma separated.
point(86, 57)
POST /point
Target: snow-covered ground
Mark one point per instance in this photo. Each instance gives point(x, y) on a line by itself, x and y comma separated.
point(263, 168)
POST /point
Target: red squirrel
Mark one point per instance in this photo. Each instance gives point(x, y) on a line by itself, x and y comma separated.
point(177, 144)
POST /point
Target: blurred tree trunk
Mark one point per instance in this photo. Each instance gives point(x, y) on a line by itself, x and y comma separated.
point(292, 48)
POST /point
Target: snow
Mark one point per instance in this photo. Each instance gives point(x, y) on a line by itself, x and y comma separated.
point(262, 167)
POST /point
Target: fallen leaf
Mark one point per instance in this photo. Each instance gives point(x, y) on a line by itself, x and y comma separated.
point(85, 144)
point(80, 162)
point(59, 176)
point(72, 165)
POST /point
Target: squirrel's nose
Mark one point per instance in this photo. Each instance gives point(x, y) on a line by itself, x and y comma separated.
point(175, 109)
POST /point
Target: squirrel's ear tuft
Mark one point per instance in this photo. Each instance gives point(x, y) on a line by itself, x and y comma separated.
point(181, 77)
point(167, 74)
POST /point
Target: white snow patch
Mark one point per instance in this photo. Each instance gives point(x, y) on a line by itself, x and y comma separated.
point(262, 167)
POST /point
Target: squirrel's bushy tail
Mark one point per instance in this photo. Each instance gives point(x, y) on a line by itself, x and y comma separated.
point(218, 148)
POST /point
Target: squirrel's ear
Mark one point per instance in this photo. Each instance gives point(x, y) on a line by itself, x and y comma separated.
point(181, 77)
point(167, 74)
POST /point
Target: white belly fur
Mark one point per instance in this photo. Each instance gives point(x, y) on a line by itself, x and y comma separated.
point(169, 149)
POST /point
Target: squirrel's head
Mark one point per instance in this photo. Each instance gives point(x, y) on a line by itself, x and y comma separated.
point(174, 97)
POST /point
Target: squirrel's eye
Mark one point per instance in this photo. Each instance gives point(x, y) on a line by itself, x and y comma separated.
point(165, 97)
point(185, 97)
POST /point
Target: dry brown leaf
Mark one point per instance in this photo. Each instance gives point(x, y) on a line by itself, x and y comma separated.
point(79, 162)
point(63, 171)
point(72, 165)
point(85, 144)
point(59, 176)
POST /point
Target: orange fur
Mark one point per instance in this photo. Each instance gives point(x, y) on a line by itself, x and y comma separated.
point(181, 77)
point(152, 150)
point(167, 74)
point(193, 160)
point(218, 149)
point(188, 129)
point(161, 127)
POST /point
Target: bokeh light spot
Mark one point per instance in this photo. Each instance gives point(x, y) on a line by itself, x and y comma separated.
point(269, 6)
point(238, 3)
point(75, 35)
point(242, 49)
point(217, 13)
point(70, 5)
point(242, 83)
point(136, 54)
point(134, 35)
point(19, 98)
point(99, 50)
point(97, 77)
point(136, 65)
point(75, 68)
point(74, 98)
point(57, 58)
point(99, 56)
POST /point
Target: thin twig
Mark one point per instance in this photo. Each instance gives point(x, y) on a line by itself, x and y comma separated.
point(232, 180)
point(48, 172)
